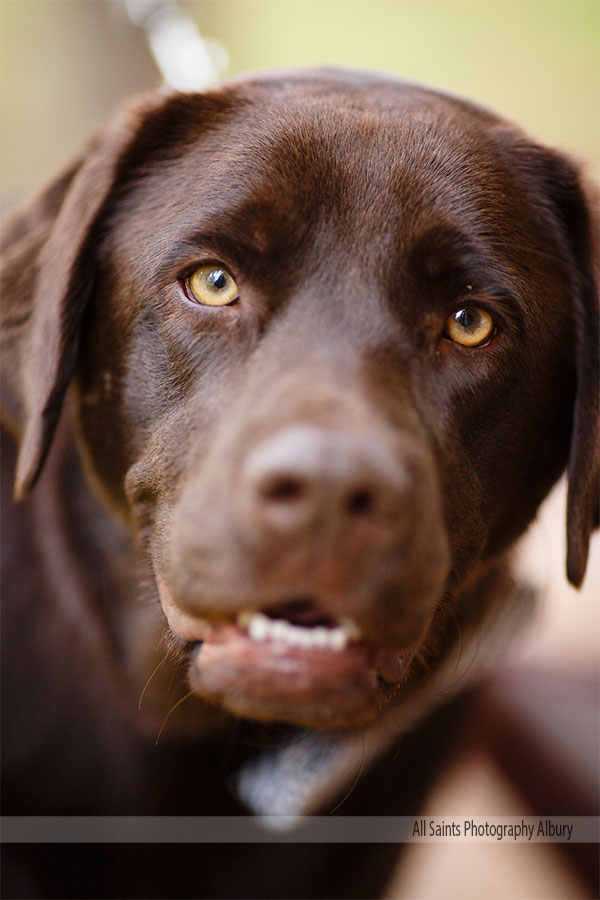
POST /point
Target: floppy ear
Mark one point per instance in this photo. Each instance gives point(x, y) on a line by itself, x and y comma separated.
point(571, 207)
point(583, 499)
point(47, 278)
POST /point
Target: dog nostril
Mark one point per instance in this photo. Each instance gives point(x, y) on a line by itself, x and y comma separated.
point(360, 503)
point(284, 489)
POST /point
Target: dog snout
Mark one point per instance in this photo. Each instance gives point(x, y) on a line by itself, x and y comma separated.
point(307, 479)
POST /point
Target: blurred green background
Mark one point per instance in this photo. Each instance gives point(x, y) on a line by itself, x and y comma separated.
point(66, 64)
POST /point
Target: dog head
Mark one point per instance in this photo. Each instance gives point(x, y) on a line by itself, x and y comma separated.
point(332, 340)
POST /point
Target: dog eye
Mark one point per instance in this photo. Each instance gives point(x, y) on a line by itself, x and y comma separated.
point(470, 326)
point(212, 286)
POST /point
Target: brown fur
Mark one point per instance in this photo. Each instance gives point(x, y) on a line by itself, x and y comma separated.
point(357, 213)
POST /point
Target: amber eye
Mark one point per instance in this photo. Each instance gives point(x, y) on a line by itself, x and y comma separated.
point(470, 326)
point(212, 286)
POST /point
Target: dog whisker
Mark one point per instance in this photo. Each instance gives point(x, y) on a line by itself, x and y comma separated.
point(352, 787)
point(170, 713)
point(150, 677)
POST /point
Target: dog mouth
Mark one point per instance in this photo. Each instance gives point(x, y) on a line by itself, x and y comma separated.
point(294, 662)
point(300, 623)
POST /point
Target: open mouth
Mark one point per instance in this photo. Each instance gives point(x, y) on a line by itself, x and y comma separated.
point(293, 662)
point(300, 624)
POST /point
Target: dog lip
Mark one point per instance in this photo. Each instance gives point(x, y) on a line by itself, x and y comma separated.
point(316, 654)
point(322, 674)
point(390, 664)
point(311, 687)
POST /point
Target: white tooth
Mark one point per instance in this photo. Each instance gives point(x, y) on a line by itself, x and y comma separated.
point(287, 636)
point(337, 639)
point(294, 636)
point(299, 637)
point(320, 637)
point(277, 630)
point(290, 634)
point(350, 628)
point(308, 639)
point(258, 627)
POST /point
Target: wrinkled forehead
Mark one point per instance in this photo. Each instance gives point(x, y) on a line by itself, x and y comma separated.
point(358, 194)
point(349, 161)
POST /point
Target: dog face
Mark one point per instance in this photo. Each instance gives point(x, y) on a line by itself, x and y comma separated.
point(337, 341)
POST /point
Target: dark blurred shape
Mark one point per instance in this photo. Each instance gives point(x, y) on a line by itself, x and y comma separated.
point(541, 728)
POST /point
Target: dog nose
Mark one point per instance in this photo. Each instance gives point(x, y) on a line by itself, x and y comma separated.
point(306, 477)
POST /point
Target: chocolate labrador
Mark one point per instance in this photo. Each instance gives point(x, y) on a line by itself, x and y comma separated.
point(320, 343)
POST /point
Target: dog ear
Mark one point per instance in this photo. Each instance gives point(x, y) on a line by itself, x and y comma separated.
point(580, 224)
point(47, 277)
point(571, 207)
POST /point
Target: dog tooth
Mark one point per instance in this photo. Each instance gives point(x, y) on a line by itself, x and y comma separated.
point(278, 631)
point(338, 639)
point(288, 633)
point(295, 636)
point(320, 637)
point(350, 628)
point(261, 628)
point(299, 637)
point(258, 627)
point(310, 640)
point(283, 631)
point(307, 638)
